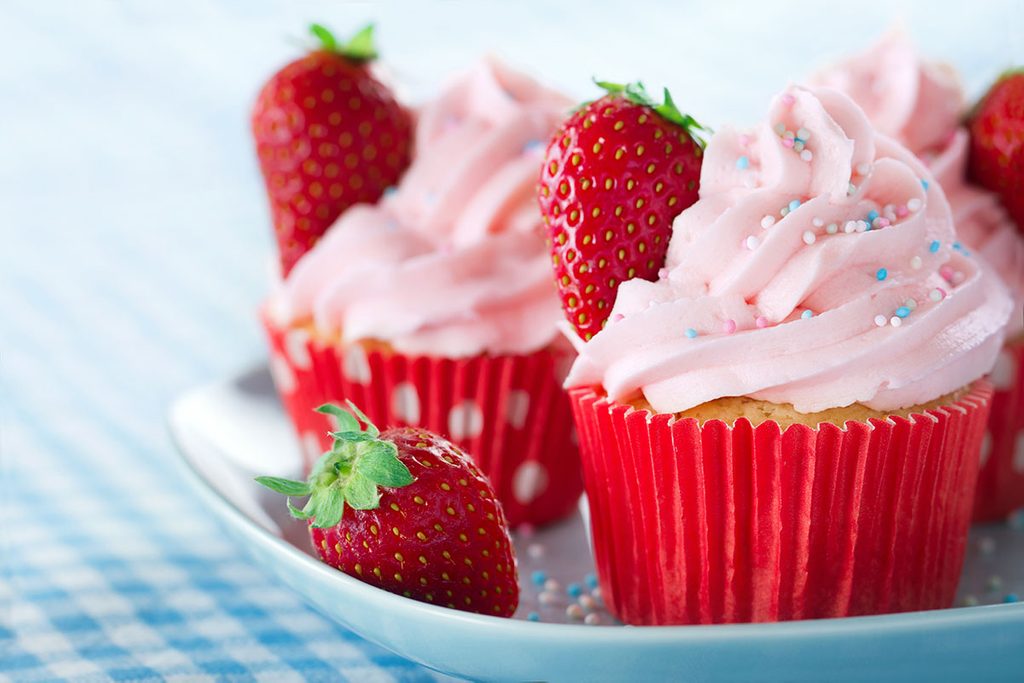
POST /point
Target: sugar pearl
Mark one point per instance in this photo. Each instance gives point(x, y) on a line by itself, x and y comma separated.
point(832, 228)
point(817, 222)
point(574, 611)
point(895, 321)
point(914, 204)
point(767, 222)
point(752, 242)
point(915, 263)
point(588, 602)
point(761, 321)
point(729, 326)
point(936, 295)
point(803, 134)
point(548, 598)
point(806, 155)
point(809, 237)
point(850, 227)
point(880, 320)
point(592, 619)
point(552, 585)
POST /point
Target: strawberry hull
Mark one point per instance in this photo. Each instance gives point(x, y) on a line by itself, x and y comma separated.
point(509, 413)
point(710, 524)
point(1001, 478)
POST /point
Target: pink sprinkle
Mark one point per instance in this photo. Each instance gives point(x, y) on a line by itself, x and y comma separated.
point(947, 273)
point(744, 140)
point(788, 100)
point(902, 211)
point(617, 317)
point(663, 273)
point(761, 321)
point(787, 142)
point(884, 223)
point(729, 326)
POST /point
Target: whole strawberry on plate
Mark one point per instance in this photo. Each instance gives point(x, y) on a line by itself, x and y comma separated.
point(997, 142)
point(615, 175)
point(405, 510)
point(328, 135)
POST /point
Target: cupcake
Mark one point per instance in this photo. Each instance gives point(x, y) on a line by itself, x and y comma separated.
point(786, 423)
point(434, 306)
point(921, 104)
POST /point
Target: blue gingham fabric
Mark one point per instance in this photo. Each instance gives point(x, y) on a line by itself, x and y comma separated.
point(133, 254)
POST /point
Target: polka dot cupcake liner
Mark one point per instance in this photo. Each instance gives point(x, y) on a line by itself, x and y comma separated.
point(712, 524)
point(1001, 479)
point(509, 413)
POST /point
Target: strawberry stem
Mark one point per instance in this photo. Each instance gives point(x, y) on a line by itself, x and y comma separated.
point(359, 48)
point(348, 474)
point(636, 92)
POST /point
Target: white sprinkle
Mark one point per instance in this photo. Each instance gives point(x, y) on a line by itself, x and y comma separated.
point(818, 223)
point(863, 169)
point(915, 263)
point(752, 242)
point(806, 155)
point(592, 619)
point(850, 227)
point(832, 228)
point(914, 204)
point(574, 612)
point(588, 602)
point(880, 320)
point(547, 598)
point(767, 222)
point(803, 134)
point(809, 237)
point(784, 211)
point(910, 303)
point(862, 226)
point(935, 295)
point(552, 585)
point(895, 321)
point(535, 551)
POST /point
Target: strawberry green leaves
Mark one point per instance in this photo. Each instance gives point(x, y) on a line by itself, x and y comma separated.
point(636, 93)
point(359, 48)
point(348, 474)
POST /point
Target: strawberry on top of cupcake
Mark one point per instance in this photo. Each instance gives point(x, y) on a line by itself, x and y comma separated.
point(819, 268)
point(449, 262)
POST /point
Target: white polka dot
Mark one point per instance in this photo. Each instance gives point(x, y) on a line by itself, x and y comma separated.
point(517, 408)
point(355, 365)
point(295, 346)
point(310, 446)
point(405, 403)
point(529, 481)
point(281, 371)
point(1018, 453)
point(466, 420)
point(986, 449)
point(1003, 372)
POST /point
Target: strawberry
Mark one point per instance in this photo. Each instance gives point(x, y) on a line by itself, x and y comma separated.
point(422, 522)
point(997, 143)
point(615, 175)
point(328, 135)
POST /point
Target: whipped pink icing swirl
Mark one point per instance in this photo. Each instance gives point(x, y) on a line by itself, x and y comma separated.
point(817, 269)
point(920, 104)
point(452, 262)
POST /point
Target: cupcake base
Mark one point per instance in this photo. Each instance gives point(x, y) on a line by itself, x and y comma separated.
point(1001, 478)
point(706, 523)
point(509, 413)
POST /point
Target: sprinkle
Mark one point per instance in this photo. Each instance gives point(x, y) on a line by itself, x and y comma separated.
point(798, 145)
point(784, 211)
point(548, 598)
point(817, 222)
point(761, 321)
point(803, 134)
point(535, 551)
point(880, 320)
point(882, 222)
point(538, 577)
point(552, 585)
point(592, 619)
point(937, 295)
point(591, 581)
point(788, 100)
point(902, 312)
point(915, 263)
point(924, 184)
point(807, 314)
point(574, 611)
point(934, 246)
point(809, 237)
point(832, 228)
point(729, 326)
point(690, 333)
point(533, 616)
point(806, 155)
point(779, 128)
point(946, 272)
point(895, 321)
point(911, 304)
point(743, 163)
point(588, 602)
point(902, 211)
point(767, 222)
point(850, 227)
point(794, 204)
point(662, 273)
point(872, 215)
point(1011, 597)
point(574, 590)
point(787, 142)
point(863, 168)
point(862, 226)
point(525, 530)
point(882, 274)
point(913, 204)
point(752, 242)
point(616, 317)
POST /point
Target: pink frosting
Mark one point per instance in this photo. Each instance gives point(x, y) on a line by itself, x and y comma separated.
point(920, 104)
point(451, 263)
point(792, 305)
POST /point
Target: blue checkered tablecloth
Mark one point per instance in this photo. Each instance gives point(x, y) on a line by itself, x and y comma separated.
point(133, 254)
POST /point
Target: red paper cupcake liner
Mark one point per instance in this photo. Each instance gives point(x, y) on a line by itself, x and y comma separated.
point(710, 524)
point(1001, 478)
point(509, 413)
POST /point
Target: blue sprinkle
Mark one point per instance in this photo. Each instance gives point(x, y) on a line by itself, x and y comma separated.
point(794, 204)
point(574, 590)
point(1011, 597)
point(807, 314)
point(743, 163)
point(538, 578)
point(591, 581)
point(924, 184)
point(533, 616)
point(902, 312)
point(934, 246)
point(691, 333)
point(882, 274)
point(872, 215)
